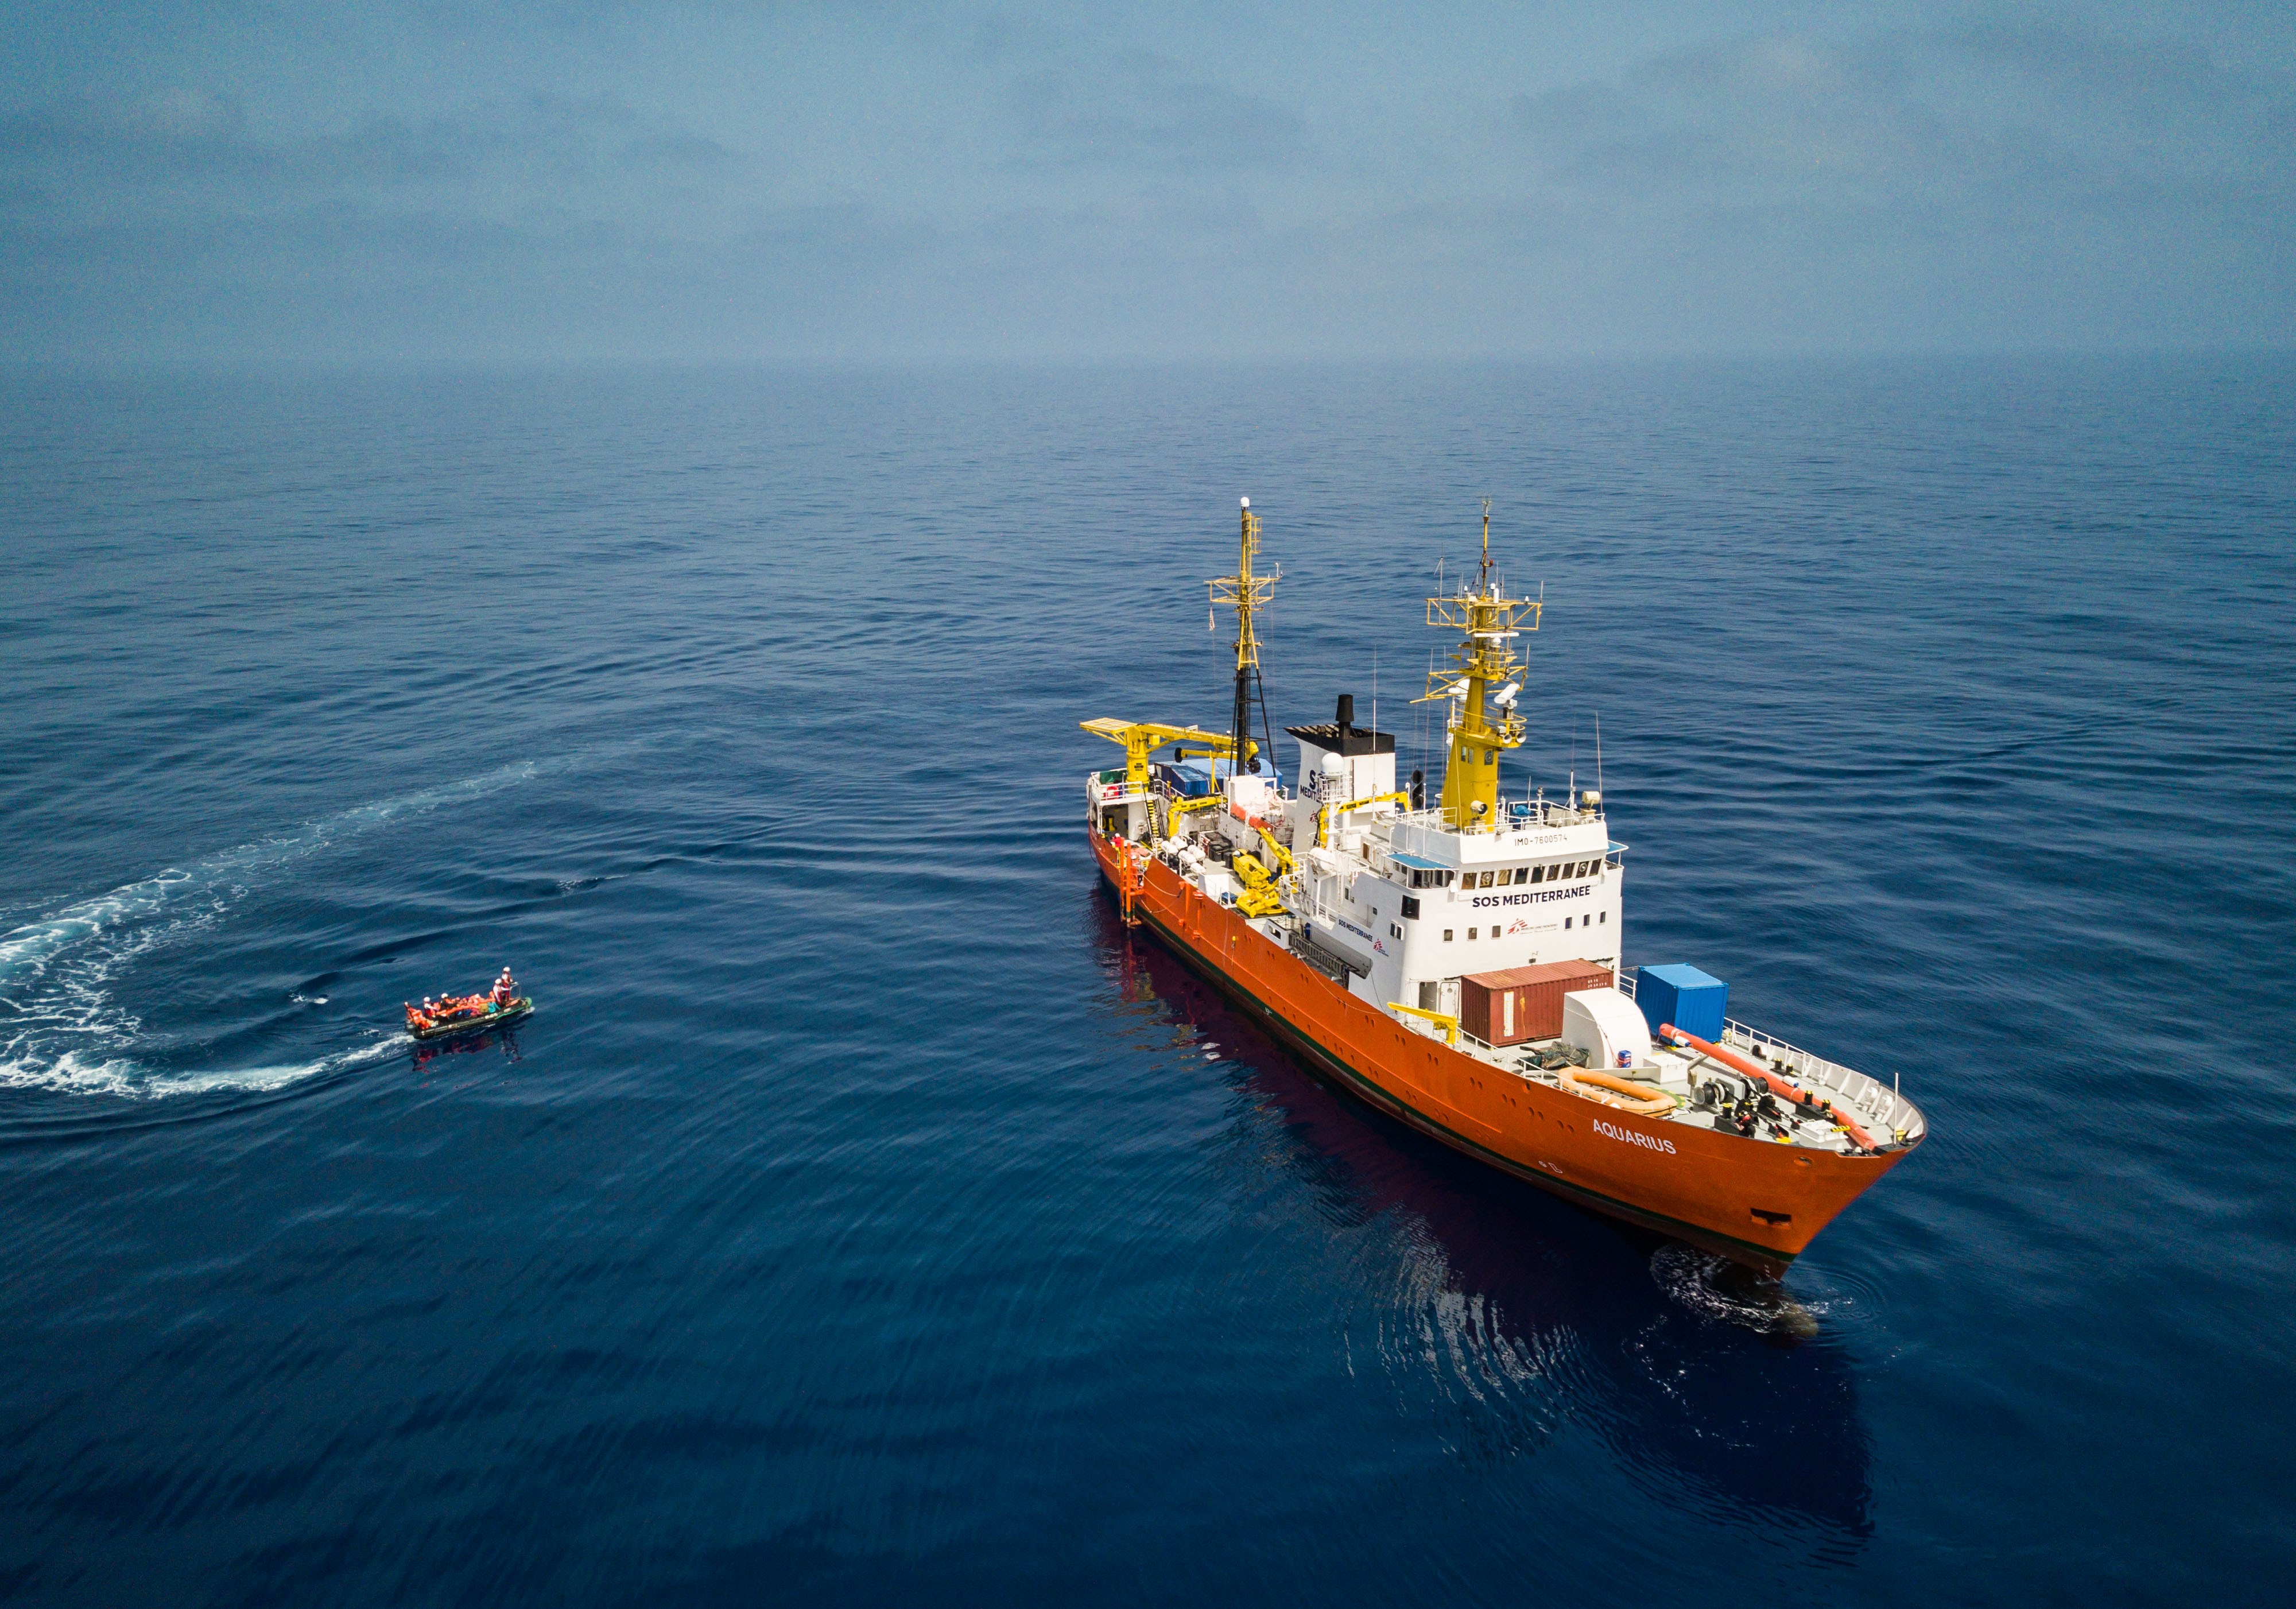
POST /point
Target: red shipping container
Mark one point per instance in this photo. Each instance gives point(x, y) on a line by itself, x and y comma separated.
point(1523, 1002)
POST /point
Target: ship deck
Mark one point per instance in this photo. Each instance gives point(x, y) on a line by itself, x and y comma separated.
point(1813, 1104)
point(1695, 1081)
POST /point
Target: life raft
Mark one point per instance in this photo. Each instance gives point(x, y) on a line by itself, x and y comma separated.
point(1611, 1090)
point(494, 1016)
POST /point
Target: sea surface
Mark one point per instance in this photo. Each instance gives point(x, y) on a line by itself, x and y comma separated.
point(865, 1217)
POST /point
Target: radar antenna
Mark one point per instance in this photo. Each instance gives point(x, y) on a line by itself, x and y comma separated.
point(1248, 593)
point(1485, 661)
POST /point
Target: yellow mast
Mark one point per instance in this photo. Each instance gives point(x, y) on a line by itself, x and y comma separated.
point(1481, 677)
point(1246, 593)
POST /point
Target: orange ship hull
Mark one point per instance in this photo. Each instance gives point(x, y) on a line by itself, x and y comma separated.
point(1757, 1203)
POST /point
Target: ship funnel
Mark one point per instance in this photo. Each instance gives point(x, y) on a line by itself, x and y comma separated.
point(1347, 714)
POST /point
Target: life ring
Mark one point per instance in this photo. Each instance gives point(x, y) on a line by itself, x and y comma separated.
point(1611, 1090)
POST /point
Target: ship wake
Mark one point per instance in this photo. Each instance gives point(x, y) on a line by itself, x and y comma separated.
point(1718, 1288)
point(62, 1026)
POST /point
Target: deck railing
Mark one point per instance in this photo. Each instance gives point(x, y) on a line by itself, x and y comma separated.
point(1890, 1110)
point(1513, 813)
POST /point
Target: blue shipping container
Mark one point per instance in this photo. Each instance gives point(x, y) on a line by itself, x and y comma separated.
point(1184, 779)
point(1683, 996)
point(1200, 774)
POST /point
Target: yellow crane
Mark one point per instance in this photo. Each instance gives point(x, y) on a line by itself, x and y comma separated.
point(1261, 896)
point(1142, 738)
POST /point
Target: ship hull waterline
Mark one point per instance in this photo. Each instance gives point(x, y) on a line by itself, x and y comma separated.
point(1757, 1203)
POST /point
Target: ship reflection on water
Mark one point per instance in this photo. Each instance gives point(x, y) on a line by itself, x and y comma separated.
point(1515, 1315)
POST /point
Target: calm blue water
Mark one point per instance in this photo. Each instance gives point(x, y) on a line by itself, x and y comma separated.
point(863, 1219)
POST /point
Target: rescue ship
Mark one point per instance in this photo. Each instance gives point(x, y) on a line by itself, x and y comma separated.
point(1457, 964)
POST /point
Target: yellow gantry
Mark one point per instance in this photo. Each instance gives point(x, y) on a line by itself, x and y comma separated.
point(1483, 674)
point(1142, 739)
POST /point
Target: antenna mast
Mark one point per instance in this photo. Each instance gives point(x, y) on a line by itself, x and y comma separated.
point(1247, 593)
point(1485, 721)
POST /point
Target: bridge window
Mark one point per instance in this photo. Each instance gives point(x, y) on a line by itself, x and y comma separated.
point(1538, 873)
point(1472, 931)
point(1447, 935)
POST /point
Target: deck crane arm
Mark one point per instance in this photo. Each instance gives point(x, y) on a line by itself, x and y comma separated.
point(1142, 739)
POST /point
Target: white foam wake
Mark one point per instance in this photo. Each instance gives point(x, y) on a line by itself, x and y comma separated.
point(125, 1075)
point(60, 1026)
point(29, 948)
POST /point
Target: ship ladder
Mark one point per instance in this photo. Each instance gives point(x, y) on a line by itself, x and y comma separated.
point(1131, 879)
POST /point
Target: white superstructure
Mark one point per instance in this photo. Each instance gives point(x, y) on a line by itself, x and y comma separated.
point(1411, 904)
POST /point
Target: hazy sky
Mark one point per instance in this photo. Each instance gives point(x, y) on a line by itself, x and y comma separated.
point(879, 181)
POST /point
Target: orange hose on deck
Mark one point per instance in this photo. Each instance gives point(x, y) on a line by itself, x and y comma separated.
point(1755, 1069)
